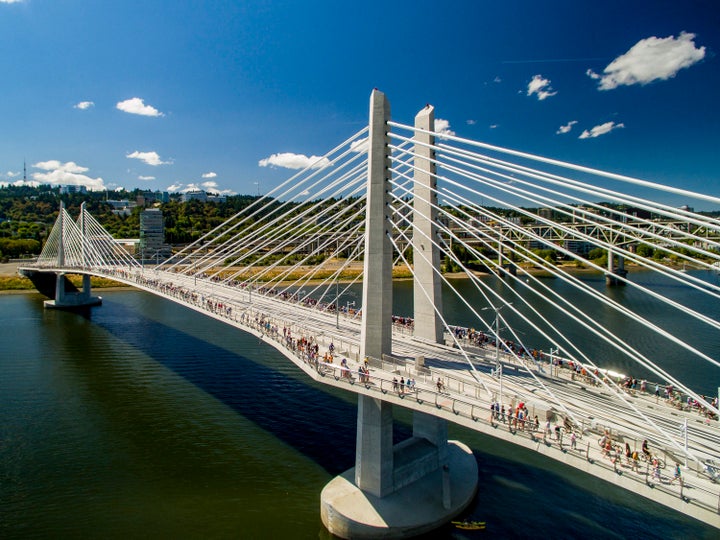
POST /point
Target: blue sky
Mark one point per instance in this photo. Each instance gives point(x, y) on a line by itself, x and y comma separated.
point(161, 94)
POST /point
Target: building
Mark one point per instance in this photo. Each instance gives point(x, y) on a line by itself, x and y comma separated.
point(122, 207)
point(152, 236)
point(73, 189)
point(203, 196)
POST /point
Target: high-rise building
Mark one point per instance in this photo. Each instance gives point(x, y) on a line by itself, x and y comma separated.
point(152, 235)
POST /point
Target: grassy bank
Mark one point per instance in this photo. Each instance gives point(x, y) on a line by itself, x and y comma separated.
point(15, 282)
point(20, 283)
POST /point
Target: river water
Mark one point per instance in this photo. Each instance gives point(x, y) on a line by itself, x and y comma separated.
point(144, 419)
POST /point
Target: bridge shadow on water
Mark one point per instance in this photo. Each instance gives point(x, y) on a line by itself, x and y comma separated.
point(308, 416)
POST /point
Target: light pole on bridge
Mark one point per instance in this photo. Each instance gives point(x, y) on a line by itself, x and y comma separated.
point(498, 365)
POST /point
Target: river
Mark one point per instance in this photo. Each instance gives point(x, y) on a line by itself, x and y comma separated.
point(144, 419)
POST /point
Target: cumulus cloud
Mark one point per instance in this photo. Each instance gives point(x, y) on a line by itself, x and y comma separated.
point(69, 173)
point(209, 175)
point(649, 60)
point(442, 127)
point(146, 178)
point(84, 105)
point(540, 87)
point(359, 146)
point(601, 129)
point(566, 128)
point(151, 158)
point(289, 160)
point(208, 187)
point(137, 105)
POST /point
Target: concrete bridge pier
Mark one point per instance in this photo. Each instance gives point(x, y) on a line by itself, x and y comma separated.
point(421, 483)
point(73, 298)
point(618, 270)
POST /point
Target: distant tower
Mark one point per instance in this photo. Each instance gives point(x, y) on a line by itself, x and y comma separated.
point(24, 172)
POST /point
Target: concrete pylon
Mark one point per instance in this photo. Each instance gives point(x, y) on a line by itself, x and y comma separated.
point(376, 330)
point(427, 292)
point(427, 298)
point(372, 500)
point(374, 453)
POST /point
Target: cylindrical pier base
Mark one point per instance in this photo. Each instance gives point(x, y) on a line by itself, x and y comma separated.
point(414, 509)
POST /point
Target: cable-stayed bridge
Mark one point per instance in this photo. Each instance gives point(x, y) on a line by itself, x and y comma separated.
point(432, 206)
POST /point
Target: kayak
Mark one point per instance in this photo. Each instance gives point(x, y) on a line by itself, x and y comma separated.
point(469, 525)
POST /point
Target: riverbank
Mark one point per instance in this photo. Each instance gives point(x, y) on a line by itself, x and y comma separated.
point(10, 280)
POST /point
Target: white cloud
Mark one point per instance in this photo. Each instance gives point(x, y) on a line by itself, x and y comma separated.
point(497, 80)
point(21, 183)
point(359, 146)
point(146, 178)
point(11, 1)
point(208, 187)
point(137, 106)
point(649, 60)
point(442, 127)
point(541, 87)
point(69, 173)
point(151, 158)
point(494, 126)
point(11, 174)
point(209, 175)
point(567, 127)
point(289, 160)
point(84, 105)
point(601, 129)
point(471, 122)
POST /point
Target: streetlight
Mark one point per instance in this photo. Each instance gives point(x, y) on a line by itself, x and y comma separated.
point(498, 366)
point(347, 307)
point(337, 304)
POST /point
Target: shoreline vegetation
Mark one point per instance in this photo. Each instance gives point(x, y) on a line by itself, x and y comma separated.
point(11, 281)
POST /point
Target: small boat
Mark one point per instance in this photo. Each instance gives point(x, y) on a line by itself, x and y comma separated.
point(469, 525)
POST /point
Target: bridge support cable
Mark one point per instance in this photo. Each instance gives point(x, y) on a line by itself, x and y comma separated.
point(100, 244)
point(498, 340)
point(678, 276)
point(307, 234)
point(568, 253)
point(227, 226)
point(473, 371)
point(583, 287)
point(578, 168)
point(279, 225)
point(560, 403)
point(516, 176)
point(622, 309)
point(353, 238)
point(613, 227)
point(629, 232)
